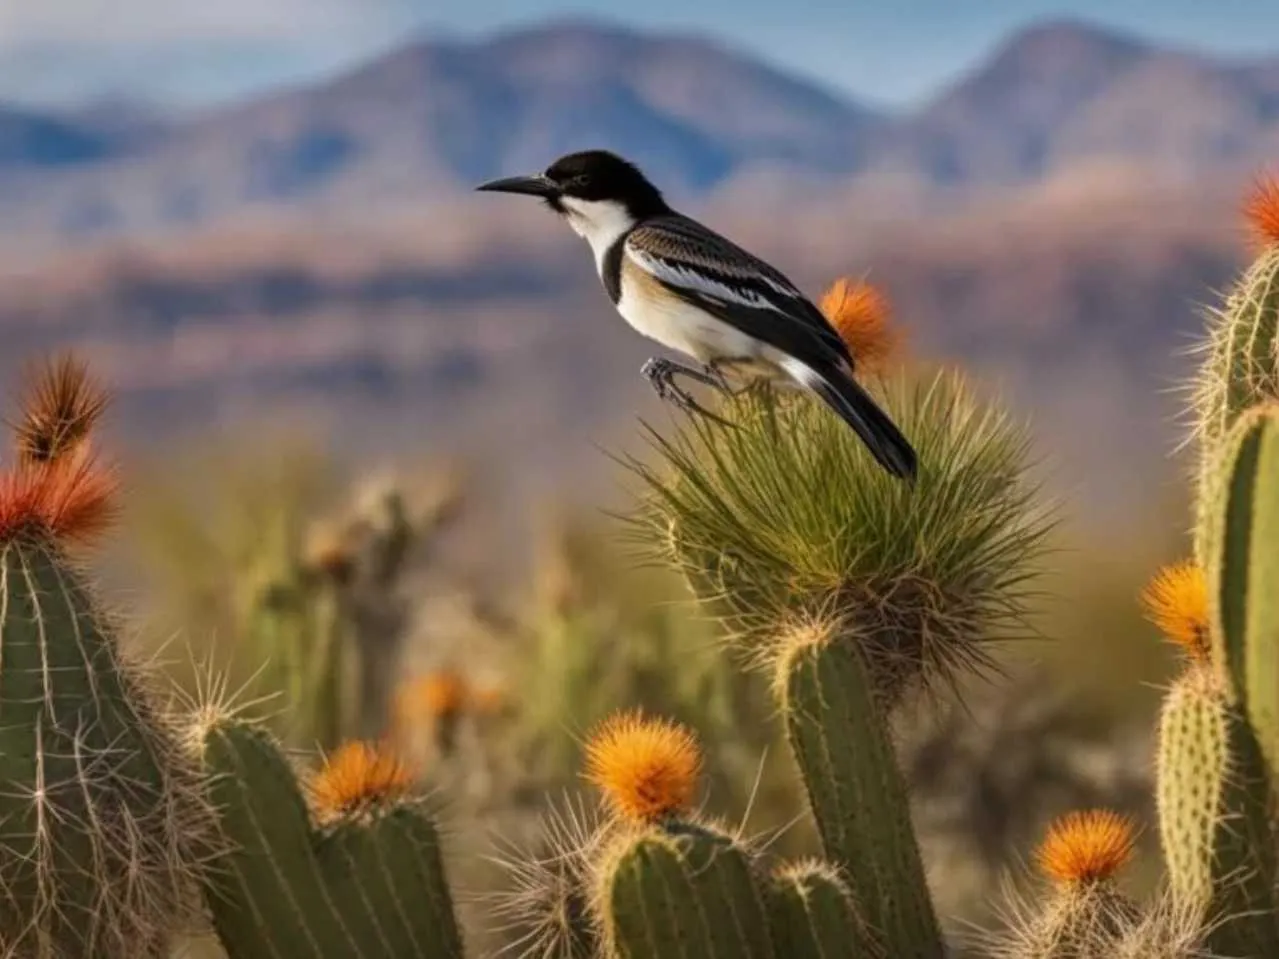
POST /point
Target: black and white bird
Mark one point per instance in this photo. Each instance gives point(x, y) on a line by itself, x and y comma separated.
point(685, 286)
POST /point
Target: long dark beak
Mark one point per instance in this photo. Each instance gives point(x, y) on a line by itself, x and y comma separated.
point(528, 185)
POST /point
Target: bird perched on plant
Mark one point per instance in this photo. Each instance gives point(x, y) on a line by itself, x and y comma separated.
point(690, 289)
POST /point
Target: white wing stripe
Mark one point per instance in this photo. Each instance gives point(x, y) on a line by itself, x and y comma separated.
point(690, 278)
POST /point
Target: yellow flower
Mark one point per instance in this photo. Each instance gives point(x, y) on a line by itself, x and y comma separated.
point(646, 768)
point(357, 779)
point(1176, 601)
point(1086, 846)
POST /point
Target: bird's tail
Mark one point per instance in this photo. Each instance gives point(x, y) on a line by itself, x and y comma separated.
point(855, 406)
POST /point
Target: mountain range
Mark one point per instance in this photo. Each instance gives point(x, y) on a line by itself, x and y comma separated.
point(1051, 220)
point(430, 119)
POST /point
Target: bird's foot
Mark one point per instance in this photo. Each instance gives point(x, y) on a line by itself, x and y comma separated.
point(661, 373)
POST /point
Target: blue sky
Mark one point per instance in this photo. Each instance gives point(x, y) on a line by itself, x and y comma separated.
point(203, 51)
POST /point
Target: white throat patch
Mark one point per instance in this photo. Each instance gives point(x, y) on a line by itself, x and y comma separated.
point(599, 222)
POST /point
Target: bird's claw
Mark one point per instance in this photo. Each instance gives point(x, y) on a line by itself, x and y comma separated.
point(661, 374)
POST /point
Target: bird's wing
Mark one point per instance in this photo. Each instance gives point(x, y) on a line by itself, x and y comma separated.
point(706, 270)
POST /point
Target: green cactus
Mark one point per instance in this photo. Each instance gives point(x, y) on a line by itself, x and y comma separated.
point(1214, 803)
point(103, 824)
point(1240, 370)
point(1243, 572)
point(812, 915)
point(855, 789)
point(371, 884)
point(682, 891)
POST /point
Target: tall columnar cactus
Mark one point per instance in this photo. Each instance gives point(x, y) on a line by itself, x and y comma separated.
point(1241, 365)
point(1244, 572)
point(856, 792)
point(104, 832)
point(359, 875)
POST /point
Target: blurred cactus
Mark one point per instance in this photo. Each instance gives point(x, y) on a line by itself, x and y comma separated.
point(313, 596)
point(359, 872)
point(104, 829)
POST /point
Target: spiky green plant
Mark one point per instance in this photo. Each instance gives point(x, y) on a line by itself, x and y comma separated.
point(104, 828)
point(360, 874)
point(785, 512)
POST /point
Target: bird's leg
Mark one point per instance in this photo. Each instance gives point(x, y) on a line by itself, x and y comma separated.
point(661, 373)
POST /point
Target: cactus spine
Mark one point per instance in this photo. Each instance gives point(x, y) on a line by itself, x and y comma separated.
point(370, 884)
point(855, 789)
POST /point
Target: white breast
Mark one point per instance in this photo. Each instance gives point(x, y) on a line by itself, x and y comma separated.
point(661, 316)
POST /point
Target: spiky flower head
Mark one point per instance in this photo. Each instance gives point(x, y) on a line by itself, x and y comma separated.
point(57, 490)
point(60, 407)
point(1176, 601)
point(784, 514)
point(1086, 847)
point(647, 768)
point(70, 500)
point(1261, 210)
point(357, 780)
point(862, 316)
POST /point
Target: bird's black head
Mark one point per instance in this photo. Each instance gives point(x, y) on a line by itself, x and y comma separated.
point(592, 176)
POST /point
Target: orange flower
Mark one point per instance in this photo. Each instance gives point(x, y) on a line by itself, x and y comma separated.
point(1086, 846)
point(71, 499)
point(1176, 601)
point(861, 315)
point(646, 768)
point(358, 779)
point(60, 407)
point(440, 694)
point(1261, 209)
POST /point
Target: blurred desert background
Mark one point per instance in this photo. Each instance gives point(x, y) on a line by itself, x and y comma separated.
point(285, 279)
